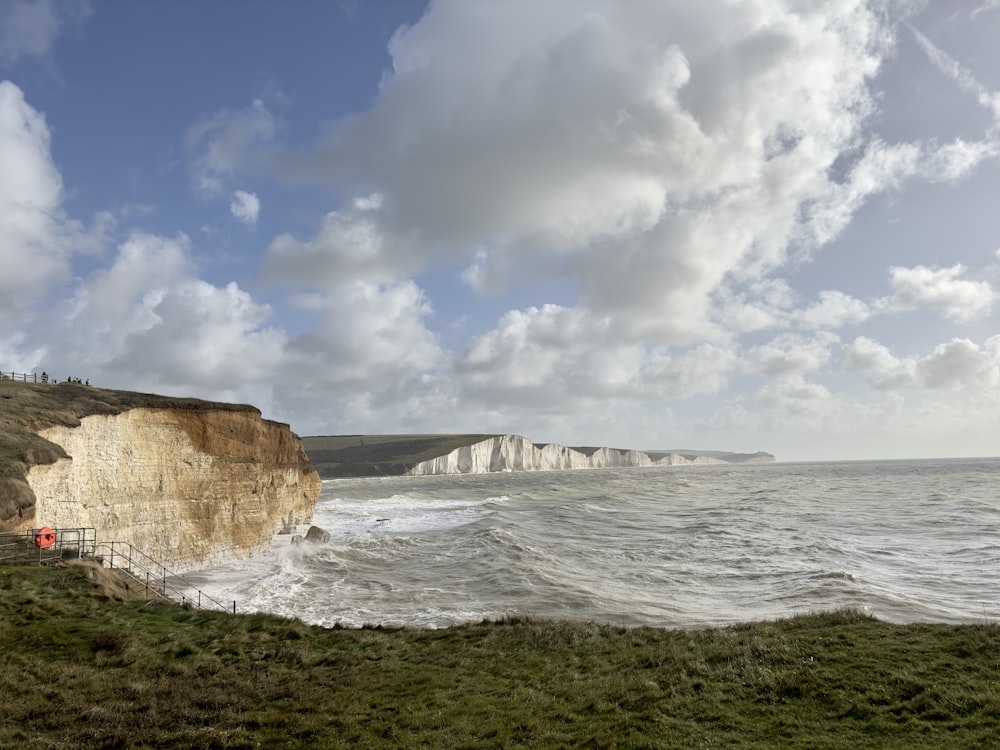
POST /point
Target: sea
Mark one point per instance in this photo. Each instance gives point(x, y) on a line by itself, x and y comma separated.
point(691, 546)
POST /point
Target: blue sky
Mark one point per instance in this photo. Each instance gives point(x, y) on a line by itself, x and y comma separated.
point(655, 224)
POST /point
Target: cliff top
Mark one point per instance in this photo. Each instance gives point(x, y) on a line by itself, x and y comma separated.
point(336, 456)
point(342, 456)
point(26, 408)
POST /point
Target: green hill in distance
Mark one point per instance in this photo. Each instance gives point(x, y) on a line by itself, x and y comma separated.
point(342, 456)
point(338, 456)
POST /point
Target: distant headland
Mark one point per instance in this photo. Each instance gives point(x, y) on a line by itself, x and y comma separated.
point(340, 456)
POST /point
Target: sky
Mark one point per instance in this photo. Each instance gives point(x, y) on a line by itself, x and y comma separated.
point(733, 224)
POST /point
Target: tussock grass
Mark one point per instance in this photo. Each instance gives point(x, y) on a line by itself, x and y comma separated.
point(85, 664)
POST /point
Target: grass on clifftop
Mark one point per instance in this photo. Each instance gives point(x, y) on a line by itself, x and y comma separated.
point(379, 455)
point(83, 665)
point(26, 407)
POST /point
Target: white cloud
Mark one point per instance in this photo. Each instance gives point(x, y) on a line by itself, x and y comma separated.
point(883, 370)
point(245, 207)
point(960, 75)
point(988, 5)
point(351, 244)
point(555, 358)
point(147, 323)
point(957, 364)
point(761, 304)
point(643, 150)
point(787, 355)
point(370, 334)
point(370, 364)
point(834, 309)
point(941, 290)
point(960, 363)
point(36, 234)
point(28, 28)
point(224, 145)
point(203, 337)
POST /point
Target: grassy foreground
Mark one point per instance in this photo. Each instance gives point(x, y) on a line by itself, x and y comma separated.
point(83, 664)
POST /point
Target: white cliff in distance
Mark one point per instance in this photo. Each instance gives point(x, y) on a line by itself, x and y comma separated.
point(516, 453)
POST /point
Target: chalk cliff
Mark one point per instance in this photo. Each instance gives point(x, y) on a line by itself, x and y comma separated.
point(515, 453)
point(189, 487)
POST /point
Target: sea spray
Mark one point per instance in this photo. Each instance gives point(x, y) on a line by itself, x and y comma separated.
point(903, 540)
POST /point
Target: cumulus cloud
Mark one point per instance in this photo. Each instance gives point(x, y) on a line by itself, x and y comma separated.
point(658, 157)
point(833, 310)
point(644, 150)
point(147, 322)
point(37, 237)
point(957, 364)
point(788, 354)
point(554, 358)
point(202, 336)
point(939, 289)
point(762, 304)
point(222, 146)
point(245, 207)
point(371, 362)
point(370, 333)
point(351, 244)
point(28, 28)
point(883, 370)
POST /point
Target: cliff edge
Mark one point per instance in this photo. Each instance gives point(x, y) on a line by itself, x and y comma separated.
point(422, 455)
point(516, 453)
point(188, 482)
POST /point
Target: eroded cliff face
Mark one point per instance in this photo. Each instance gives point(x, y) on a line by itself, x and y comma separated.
point(187, 487)
point(515, 453)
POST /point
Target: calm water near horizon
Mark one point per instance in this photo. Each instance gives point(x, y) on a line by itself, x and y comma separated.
point(669, 546)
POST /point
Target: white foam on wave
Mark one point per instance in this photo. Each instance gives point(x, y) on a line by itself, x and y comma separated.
point(398, 514)
point(748, 544)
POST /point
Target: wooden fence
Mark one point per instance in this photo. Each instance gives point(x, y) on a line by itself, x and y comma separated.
point(22, 377)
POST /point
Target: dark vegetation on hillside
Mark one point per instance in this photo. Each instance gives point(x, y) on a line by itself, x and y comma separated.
point(335, 456)
point(85, 665)
point(25, 407)
point(339, 456)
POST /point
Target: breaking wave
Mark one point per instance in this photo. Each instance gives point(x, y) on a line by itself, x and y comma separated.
point(903, 540)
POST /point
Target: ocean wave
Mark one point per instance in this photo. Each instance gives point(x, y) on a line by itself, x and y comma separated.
point(905, 541)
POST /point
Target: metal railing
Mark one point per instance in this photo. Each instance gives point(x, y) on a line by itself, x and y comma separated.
point(150, 572)
point(68, 543)
point(81, 543)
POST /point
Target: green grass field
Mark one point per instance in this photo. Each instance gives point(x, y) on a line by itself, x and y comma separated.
point(378, 455)
point(86, 664)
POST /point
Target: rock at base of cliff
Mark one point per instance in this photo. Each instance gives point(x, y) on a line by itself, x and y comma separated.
point(316, 535)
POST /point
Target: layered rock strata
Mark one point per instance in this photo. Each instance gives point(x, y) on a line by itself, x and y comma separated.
point(187, 487)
